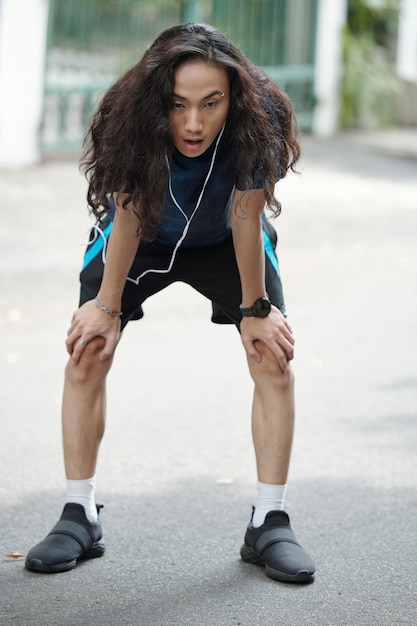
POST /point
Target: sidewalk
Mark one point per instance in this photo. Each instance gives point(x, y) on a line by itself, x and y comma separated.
point(397, 142)
point(176, 471)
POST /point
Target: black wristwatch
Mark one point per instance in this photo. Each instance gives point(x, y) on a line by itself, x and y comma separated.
point(260, 308)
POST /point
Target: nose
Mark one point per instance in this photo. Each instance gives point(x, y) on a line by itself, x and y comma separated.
point(193, 123)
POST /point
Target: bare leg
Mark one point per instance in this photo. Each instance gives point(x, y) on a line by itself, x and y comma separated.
point(272, 417)
point(83, 416)
point(83, 411)
point(272, 542)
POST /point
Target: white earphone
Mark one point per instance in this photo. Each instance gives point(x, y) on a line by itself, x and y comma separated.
point(188, 220)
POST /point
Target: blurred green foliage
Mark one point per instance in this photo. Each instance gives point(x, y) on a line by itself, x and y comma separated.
point(370, 86)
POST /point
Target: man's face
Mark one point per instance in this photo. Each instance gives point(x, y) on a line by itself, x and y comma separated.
point(200, 103)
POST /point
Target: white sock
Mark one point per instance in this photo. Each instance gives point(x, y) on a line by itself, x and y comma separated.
point(82, 492)
point(270, 498)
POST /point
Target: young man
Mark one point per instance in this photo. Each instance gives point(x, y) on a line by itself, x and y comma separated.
point(183, 155)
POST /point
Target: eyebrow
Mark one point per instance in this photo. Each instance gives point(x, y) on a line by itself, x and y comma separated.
point(217, 92)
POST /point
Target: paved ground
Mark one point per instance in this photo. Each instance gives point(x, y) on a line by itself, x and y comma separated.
point(176, 472)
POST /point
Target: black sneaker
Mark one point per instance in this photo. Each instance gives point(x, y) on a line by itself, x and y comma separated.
point(274, 546)
point(73, 537)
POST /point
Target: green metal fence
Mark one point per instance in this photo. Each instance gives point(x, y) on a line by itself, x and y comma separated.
point(91, 42)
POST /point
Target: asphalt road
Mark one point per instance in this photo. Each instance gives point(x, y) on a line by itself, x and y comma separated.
point(176, 471)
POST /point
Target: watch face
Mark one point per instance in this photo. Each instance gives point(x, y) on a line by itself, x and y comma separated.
point(263, 307)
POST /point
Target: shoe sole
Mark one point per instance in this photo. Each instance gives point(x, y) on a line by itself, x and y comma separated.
point(35, 565)
point(302, 577)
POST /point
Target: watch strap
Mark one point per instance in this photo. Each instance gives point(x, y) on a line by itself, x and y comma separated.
point(260, 308)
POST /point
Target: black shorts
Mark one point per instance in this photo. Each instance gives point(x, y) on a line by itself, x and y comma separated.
point(211, 270)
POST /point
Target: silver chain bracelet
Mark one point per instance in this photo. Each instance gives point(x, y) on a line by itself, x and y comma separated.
point(106, 310)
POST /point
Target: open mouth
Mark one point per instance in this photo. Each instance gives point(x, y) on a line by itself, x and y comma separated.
point(193, 144)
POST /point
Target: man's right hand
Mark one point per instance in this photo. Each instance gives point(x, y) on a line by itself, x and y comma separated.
point(89, 322)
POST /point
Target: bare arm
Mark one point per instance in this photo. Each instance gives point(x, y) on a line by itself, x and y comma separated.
point(89, 321)
point(274, 330)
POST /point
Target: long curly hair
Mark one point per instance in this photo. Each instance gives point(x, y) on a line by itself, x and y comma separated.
point(128, 142)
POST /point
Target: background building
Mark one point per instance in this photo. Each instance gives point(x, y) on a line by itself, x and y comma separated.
point(57, 61)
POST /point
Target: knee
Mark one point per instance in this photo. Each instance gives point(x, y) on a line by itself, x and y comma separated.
point(268, 371)
point(89, 368)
